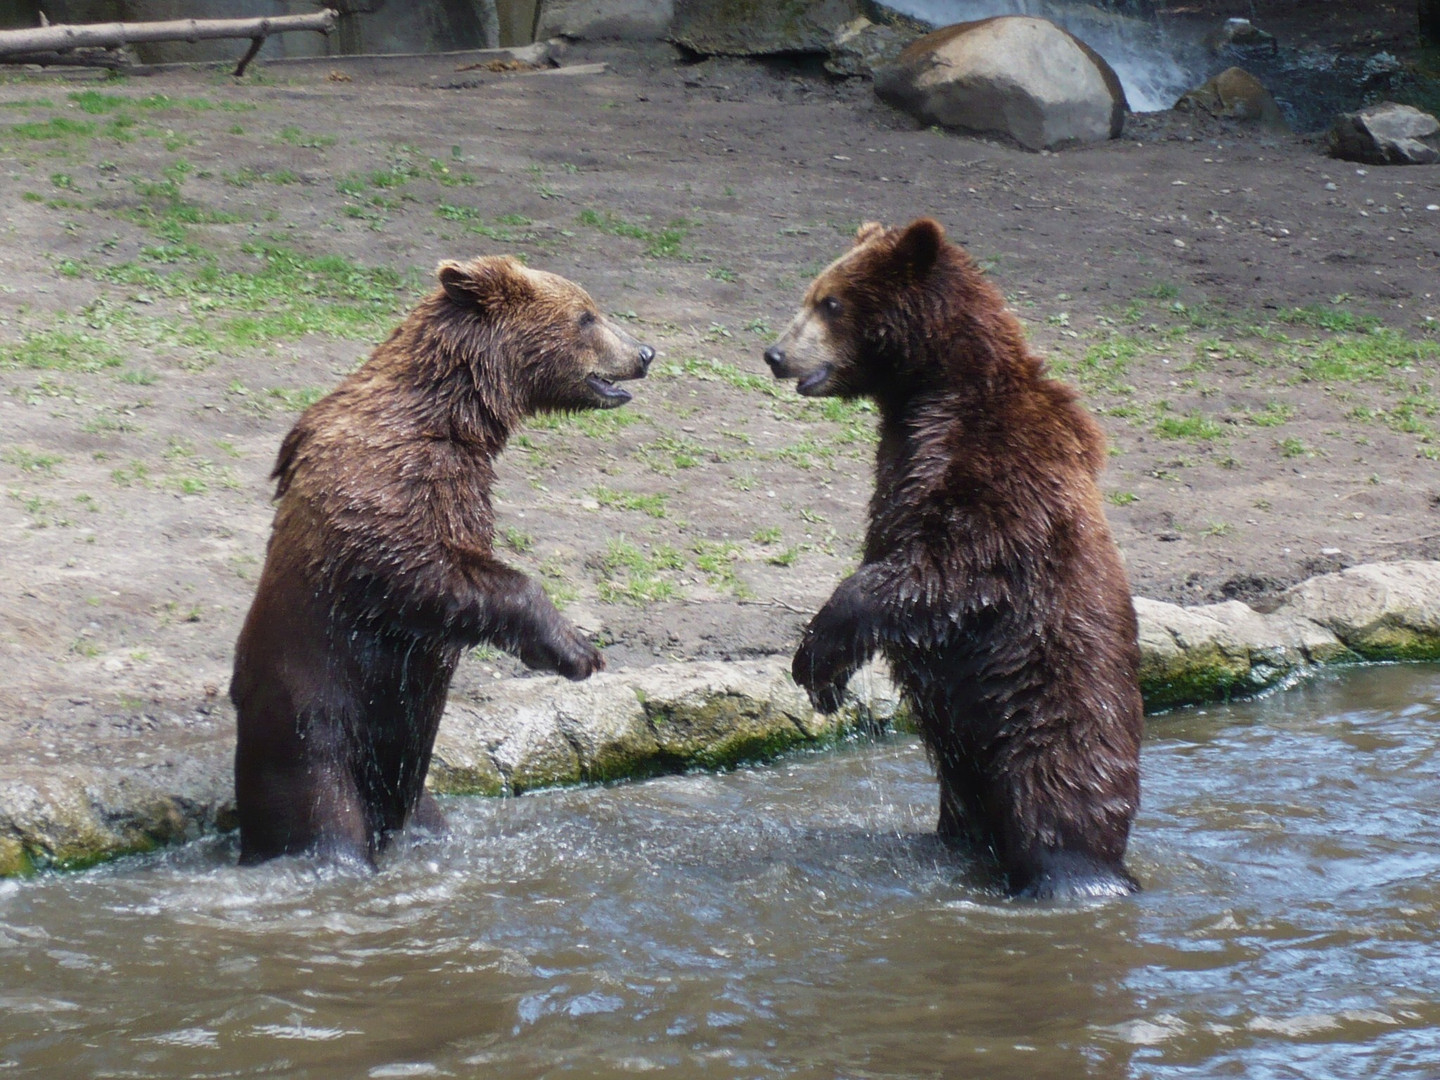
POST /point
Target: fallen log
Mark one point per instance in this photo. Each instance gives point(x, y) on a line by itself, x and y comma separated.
point(44, 40)
point(101, 58)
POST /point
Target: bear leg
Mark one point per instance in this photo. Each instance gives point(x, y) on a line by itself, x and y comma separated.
point(428, 816)
point(1074, 875)
point(304, 811)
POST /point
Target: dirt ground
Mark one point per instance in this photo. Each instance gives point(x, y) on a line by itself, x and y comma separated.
point(188, 260)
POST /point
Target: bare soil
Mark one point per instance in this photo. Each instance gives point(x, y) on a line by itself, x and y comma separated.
point(189, 259)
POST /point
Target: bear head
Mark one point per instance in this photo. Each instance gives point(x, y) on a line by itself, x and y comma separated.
point(887, 315)
point(555, 345)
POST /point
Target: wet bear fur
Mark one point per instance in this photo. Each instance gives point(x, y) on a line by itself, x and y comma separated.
point(990, 581)
point(379, 572)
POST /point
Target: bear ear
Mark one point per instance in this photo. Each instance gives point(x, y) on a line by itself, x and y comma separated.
point(868, 231)
point(478, 283)
point(456, 280)
point(919, 245)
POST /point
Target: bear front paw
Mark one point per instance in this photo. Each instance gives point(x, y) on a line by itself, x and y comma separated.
point(822, 677)
point(827, 698)
point(580, 660)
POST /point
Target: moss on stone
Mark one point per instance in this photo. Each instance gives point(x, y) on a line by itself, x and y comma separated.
point(473, 778)
point(629, 759)
point(559, 768)
point(15, 861)
point(1200, 675)
point(1390, 642)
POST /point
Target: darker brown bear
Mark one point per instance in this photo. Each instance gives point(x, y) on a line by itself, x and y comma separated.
point(379, 572)
point(989, 581)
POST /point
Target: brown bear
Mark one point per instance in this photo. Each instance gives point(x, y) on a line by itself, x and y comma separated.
point(989, 580)
point(380, 573)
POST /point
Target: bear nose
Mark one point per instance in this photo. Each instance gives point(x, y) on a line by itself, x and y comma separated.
point(646, 355)
point(774, 356)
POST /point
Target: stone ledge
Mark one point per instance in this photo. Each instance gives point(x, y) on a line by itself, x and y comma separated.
point(523, 734)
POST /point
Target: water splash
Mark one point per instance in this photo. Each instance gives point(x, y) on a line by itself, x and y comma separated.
point(1153, 70)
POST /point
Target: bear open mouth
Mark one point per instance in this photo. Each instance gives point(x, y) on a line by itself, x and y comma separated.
point(815, 381)
point(608, 392)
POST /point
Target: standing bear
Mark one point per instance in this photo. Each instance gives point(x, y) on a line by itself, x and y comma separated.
point(380, 573)
point(990, 581)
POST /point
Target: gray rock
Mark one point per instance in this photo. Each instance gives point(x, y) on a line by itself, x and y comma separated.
point(1190, 655)
point(521, 734)
point(76, 815)
point(1386, 134)
point(759, 27)
point(1235, 94)
point(1385, 611)
point(1240, 33)
point(1016, 76)
point(861, 47)
point(630, 20)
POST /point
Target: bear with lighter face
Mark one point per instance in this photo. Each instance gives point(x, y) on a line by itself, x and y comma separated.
point(990, 581)
point(380, 571)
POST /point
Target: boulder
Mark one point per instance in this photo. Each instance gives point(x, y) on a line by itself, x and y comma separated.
point(629, 20)
point(861, 47)
point(1219, 651)
point(1386, 134)
point(756, 28)
point(1235, 94)
point(1383, 611)
point(1021, 77)
point(1240, 34)
point(523, 734)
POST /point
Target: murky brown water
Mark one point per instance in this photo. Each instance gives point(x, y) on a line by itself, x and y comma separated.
point(792, 921)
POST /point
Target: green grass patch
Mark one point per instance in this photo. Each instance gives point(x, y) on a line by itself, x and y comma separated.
point(716, 559)
point(716, 370)
point(671, 452)
point(280, 295)
point(662, 243)
point(56, 127)
point(297, 400)
point(632, 575)
point(1331, 318)
point(28, 461)
point(1191, 426)
point(59, 350)
point(1106, 363)
point(293, 136)
point(521, 543)
point(96, 103)
point(592, 423)
point(654, 505)
point(1274, 414)
point(507, 228)
point(1375, 356)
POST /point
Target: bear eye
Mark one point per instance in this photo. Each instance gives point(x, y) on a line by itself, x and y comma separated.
point(831, 305)
point(587, 318)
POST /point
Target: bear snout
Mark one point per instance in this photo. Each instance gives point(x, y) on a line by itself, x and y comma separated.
point(775, 357)
point(647, 354)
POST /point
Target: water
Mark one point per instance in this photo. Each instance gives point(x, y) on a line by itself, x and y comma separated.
point(1153, 70)
point(791, 921)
